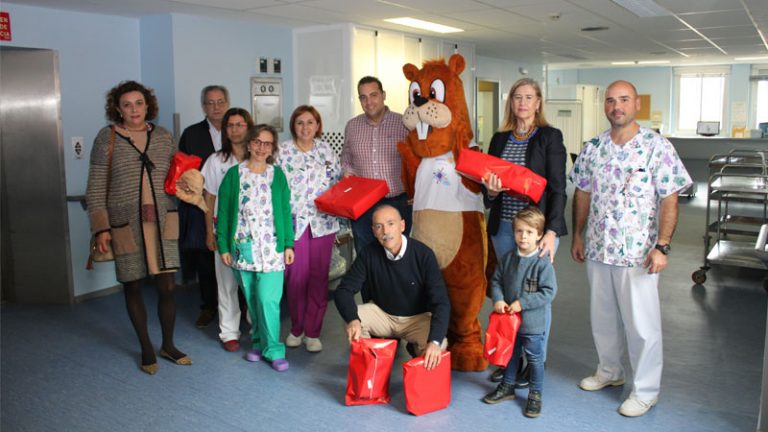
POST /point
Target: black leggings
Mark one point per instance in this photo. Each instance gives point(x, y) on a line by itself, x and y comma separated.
point(166, 311)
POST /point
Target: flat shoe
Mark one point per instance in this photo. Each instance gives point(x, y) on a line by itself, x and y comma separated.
point(280, 365)
point(182, 361)
point(150, 368)
point(253, 355)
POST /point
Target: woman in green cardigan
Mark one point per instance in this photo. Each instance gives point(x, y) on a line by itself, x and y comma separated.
point(256, 239)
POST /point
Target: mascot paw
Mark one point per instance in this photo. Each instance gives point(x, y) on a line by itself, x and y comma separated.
point(468, 357)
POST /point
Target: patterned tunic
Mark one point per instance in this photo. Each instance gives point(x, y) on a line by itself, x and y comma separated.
point(255, 237)
point(626, 184)
point(309, 175)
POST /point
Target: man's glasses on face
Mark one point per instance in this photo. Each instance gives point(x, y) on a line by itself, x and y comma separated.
point(220, 102)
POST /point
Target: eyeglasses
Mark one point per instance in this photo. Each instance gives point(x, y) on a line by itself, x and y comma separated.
point(259, 142)
point(220, 102)
point(236, 125)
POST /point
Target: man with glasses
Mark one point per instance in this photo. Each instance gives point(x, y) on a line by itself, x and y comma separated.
point(201, 139)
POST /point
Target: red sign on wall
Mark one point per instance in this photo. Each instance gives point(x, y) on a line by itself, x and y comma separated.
point(5, 26)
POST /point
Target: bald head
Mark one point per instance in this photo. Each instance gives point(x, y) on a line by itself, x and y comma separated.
point(625, 85)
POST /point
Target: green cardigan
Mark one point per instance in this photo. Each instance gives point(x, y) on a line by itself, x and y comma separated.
point(228, 213)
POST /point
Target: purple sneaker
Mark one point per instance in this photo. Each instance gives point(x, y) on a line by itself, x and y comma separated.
point(280, 365)
point(253, 355)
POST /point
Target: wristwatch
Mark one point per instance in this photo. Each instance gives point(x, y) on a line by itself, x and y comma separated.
point(665, 249)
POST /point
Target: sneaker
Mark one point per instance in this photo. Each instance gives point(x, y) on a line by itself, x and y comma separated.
point(596, 382)
point(293, 341)
point(533, 407)
point(313, 344)
point(253, 355)
point(280, 365)
point(634, 407)
point(497, 375)
point(232, 345)
point(503, 392)
point(205, 318)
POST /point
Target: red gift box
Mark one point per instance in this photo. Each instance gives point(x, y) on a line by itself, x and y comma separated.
point(180, 163)
point(427, 390)
point(500, 337)
point(370, 362)
point(521, 181)
point(352, 196)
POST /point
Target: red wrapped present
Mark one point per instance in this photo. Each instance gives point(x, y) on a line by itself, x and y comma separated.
point(352, 196)
point(500, 337)
point(370, 362)
point(427, 390)
point(521, 181)
point(180, 163)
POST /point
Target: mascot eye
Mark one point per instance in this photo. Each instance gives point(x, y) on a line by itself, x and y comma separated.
point(414, 91)
point(437, 90)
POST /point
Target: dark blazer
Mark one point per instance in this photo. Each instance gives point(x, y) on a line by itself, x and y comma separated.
point(195, 140)
point(546, 157)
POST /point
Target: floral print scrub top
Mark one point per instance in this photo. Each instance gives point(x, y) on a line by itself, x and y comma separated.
point(255, 238)
point(626, 184)
point(309, 175)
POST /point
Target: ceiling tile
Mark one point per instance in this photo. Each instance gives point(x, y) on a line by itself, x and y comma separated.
point(720, 19)
point(684, 6)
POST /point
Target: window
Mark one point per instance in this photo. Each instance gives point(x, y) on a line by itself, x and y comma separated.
point(700, 96)
point(759, 80)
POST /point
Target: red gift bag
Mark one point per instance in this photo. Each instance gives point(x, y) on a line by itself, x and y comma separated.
point(352, 196)
point(427, 390)
point(500, 337)
point(180, 163)
point(521, 181)
point(370, 362)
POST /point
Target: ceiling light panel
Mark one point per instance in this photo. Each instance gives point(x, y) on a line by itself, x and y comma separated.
point(240, 5)
point(643, 8)
point(423, 25)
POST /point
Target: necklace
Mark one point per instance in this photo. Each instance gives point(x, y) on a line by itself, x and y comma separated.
point(143, 129)
point(524, 134)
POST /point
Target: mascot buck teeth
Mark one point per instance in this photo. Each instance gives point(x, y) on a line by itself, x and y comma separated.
point(447, 208)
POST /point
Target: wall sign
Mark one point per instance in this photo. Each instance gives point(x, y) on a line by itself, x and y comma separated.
point(5, 26)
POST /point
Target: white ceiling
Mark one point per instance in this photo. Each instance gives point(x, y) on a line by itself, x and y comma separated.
point(528, 31)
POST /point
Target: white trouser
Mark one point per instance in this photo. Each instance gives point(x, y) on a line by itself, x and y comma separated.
point(627, 298)
point(229, 305)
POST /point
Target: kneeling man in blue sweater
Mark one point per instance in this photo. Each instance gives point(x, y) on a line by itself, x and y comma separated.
point(408, 298)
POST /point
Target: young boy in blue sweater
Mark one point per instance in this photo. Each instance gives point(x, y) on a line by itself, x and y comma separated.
point(525, 283)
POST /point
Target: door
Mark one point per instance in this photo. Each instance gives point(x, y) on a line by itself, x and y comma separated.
point(487, 112)
point(36, 263)
point(566, 115)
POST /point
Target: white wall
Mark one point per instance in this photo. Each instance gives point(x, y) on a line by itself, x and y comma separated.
point(659, 83)
point(95, 53)
point(177, 55)
point(215, 51)
point(505, 72)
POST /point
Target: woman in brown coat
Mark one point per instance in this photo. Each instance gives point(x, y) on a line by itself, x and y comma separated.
point(129, 209)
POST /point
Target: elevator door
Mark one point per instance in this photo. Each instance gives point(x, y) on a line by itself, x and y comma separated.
point(36, 263)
